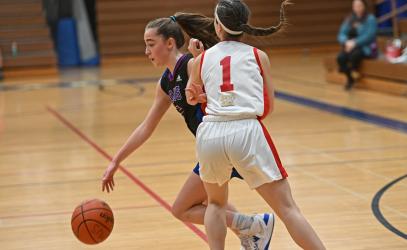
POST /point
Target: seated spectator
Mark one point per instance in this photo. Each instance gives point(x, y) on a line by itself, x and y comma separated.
point(357, 36)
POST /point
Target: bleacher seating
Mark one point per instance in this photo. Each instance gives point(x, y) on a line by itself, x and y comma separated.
point(121, 23)
point(376, 74)
point(24, 37)
point(403, 27)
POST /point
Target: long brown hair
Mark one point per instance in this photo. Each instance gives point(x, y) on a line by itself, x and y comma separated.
point(193, 24)
point(234, 14)
point(198, 26)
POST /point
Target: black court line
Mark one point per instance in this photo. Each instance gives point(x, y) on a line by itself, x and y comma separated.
point(380, 121)
point(378, 213)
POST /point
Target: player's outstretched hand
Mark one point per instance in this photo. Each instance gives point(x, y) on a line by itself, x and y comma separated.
point(107, 180)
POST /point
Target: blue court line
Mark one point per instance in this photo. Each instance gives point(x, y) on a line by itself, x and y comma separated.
point(343, 111)
point(331, 108)
point(326, 107)
point(365, 117)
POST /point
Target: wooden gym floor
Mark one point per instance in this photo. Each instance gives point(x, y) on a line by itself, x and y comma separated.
point(344, 152)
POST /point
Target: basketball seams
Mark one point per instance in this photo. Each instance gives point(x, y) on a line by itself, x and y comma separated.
point(98, 222)
point(91, 209)
point(84, 221)
point(98, 219)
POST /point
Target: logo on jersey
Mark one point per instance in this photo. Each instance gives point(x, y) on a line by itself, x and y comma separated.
point(179, 109)
point(226, 99)
point(175, 94)
point(179, 79)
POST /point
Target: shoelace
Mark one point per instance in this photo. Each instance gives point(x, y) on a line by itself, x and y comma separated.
point(248, 243)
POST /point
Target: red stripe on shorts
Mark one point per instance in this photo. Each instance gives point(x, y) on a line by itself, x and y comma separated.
point(273, 150)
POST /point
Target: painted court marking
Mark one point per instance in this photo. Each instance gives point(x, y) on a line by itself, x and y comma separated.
point(136, 180)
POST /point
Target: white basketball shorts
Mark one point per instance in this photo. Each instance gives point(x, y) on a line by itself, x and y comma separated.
point(244, 144)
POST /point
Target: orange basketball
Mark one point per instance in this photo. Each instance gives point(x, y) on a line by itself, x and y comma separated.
point(92, 221)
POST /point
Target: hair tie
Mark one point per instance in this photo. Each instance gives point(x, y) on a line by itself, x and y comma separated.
point(173, 18)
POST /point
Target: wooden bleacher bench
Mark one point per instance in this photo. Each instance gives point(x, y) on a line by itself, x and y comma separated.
point(403, 27)
point(120, 31)
point(25, 40)
point(376, 74)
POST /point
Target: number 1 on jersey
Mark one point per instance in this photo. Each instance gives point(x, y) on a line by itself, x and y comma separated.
point(226, 85)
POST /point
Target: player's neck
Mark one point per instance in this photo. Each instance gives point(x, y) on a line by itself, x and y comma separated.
point(173, 61)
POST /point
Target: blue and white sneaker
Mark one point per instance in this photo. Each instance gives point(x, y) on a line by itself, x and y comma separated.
point(260, 233)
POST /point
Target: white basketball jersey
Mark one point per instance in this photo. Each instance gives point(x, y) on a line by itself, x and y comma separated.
point(233, 82)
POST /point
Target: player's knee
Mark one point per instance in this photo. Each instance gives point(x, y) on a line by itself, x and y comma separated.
point(177, 211)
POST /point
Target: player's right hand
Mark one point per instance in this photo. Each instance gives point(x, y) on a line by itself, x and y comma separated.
point(107, 179)
point(196, 47)
point(196, 94)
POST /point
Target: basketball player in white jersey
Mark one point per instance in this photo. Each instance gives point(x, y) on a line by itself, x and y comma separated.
point(236, 79)
point(164, 39)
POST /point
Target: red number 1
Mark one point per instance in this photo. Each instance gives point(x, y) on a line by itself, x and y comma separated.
point(226, 85)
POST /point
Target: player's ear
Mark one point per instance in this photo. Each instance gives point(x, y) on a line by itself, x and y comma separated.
point(171, 43)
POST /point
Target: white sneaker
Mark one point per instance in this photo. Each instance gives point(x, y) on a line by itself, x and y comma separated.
point(248, 243)
point(262, 229)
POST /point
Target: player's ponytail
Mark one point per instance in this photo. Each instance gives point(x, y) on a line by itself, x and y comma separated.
point(197, 26)
point(257, 31)
point(194, 25)
point(233, 16)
